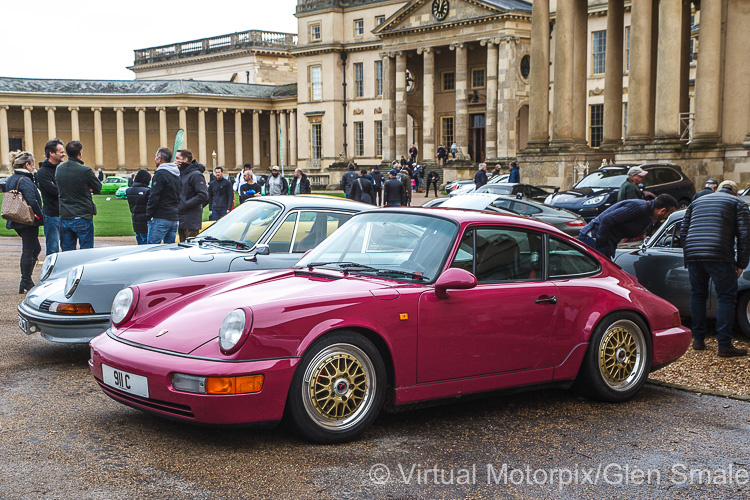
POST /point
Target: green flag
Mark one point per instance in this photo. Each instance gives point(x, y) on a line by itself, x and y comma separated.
point(178, 139)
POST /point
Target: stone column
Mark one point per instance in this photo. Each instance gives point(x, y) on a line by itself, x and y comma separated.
point(221, 155)
point(580, 69)
point(402, 117)
point(183, 125)
point(507, 105)
point(4, 146)
point(28, 129)
point(283, 139)
point(668, 71)
point(163, 139)
point(256, 138)
point(562, 103)
point(708, 78)
point(51, 125)
point(142, 144)
point(640, 126)
point(120, 138)
point(202, 156)
point(238, 137)
point(75, 130)
point(274, 138)
point(613, 68)
point(461, 121)
point(389, 107)
point(491, 121)
point(428, 105)
point(292, 138)
point(539, 75)
point(98, 140)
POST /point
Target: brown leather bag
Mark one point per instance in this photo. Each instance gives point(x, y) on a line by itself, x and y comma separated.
point(15, 208)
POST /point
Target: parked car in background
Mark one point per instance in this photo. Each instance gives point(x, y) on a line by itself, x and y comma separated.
point(659, 266)
point(567, 222)
point(110, 185)
point(598, 191)
point(459, 184)
point(73, 300)
point(400, 306)
point(525, 190)
point(470, 187)
point(121, 192)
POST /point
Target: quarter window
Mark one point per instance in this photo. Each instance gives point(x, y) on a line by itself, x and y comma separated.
point(565, 261)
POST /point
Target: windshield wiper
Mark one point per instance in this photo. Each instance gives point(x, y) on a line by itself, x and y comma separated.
point(397, 272)
point(211, 239)
point(346, 265)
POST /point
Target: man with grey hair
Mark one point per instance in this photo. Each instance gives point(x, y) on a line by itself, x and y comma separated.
point(630, 189)
point(480, 178)
point(711, 185)
point(161, 210)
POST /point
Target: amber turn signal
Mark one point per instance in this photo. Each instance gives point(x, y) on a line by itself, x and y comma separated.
point(234, 385)
point(676, 321)
point(59, 307)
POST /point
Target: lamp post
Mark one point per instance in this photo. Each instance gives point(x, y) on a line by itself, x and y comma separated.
point(213, 156)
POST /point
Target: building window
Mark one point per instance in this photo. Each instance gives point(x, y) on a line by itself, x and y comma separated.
point(316, 84)
point(624, 119)
point(379, 20)
point(378, 78)
point(449, 81)
point(596, 124)
point(692, 50)
point(359, 80)
point(477, 78)
point(379, 138)
point(446, 131)
point(599, 48)
point(627, 49)
point(359, 138)
point(525, 66)
point(359, 27)
point(316, 141)
point(315, 32)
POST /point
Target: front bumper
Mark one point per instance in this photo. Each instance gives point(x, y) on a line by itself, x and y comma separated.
point(669, 345)
point(65, 328)
point(158, 367)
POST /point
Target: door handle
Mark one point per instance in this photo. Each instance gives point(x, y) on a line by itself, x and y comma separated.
point(551, 300)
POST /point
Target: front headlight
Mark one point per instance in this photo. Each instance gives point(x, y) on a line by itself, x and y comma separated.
point(231, 330)
point(71, 282)
point(122, 306)
point(595, 200)
point(48, 266)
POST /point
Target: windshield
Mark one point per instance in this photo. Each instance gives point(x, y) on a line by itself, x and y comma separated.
point(245, 224)
point(396, 245)
point(603, 179)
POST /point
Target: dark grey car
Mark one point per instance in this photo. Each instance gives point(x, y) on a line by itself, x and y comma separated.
point(73, 300)
point(659, 266)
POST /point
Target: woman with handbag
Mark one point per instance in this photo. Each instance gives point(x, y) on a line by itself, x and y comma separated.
point(22, 181)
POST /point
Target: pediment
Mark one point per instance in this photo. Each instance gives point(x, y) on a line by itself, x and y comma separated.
point(418, 14)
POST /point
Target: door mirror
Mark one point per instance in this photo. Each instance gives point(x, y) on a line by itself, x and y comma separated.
point(644, 245)
point(454, 279)
point(260, 249)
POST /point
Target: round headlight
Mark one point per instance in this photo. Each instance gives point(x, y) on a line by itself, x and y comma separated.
point(232, 329)
point(74, 277)
point(48, 266)
point(121, 306)
point(595, 200)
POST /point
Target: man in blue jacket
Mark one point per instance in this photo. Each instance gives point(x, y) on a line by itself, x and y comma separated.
point(625, 219)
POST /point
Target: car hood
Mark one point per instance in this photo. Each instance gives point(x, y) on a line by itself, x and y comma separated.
point(181, 315)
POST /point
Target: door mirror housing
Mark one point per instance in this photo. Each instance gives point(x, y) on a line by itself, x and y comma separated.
point(260, 249)
point(454, 279)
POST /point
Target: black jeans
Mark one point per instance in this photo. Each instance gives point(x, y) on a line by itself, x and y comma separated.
point(30, 248)
point(434, 184)
point(724, 277)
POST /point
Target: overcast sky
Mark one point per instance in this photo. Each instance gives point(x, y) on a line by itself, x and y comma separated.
point(95, 39)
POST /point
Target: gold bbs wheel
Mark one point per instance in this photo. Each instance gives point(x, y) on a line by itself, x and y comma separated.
point(338, 386)
point(622, 355)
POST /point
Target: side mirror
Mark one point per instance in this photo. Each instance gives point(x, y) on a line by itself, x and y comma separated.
point(645, 242)
point(454, 279)
point(260, 249)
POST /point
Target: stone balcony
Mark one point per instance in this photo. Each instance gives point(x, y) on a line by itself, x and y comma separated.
point(252, 39)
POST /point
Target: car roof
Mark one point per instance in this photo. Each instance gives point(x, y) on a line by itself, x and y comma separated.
point(315, 201)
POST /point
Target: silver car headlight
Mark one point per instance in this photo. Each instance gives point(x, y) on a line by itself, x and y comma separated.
point(595, 200)
point(232, 329)
point(122, 306)
point(71, 282)
point(48, 266)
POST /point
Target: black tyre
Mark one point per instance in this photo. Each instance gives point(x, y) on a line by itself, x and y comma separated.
point(618, 359)
point(742, 314)
point(683, 203)
point(338, 388)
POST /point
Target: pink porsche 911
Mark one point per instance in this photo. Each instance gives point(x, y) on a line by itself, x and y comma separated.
point(398, 306)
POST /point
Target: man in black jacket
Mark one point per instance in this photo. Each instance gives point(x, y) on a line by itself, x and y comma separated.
point(377, 184)
point(713, 225)
point(161, 210)
point(347, 180)
point(480, 178)
point(54, 150)
point(711, 185)
point(76, 182)
point(362, 189)
point(193, 195)
point(300, 183)
point(432, 178)
point(220, 195)
point(137, 195)
point(393, 190)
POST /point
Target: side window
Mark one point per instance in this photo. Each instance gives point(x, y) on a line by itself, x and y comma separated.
point(670, 238)
point(669, 175)
point(282, 240)
point(500, 254)
point(502, 203)
point(520, 207)
point(566, 261)
point(314, 227)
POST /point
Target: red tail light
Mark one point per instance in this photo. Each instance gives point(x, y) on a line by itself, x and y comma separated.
point(576, 223)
